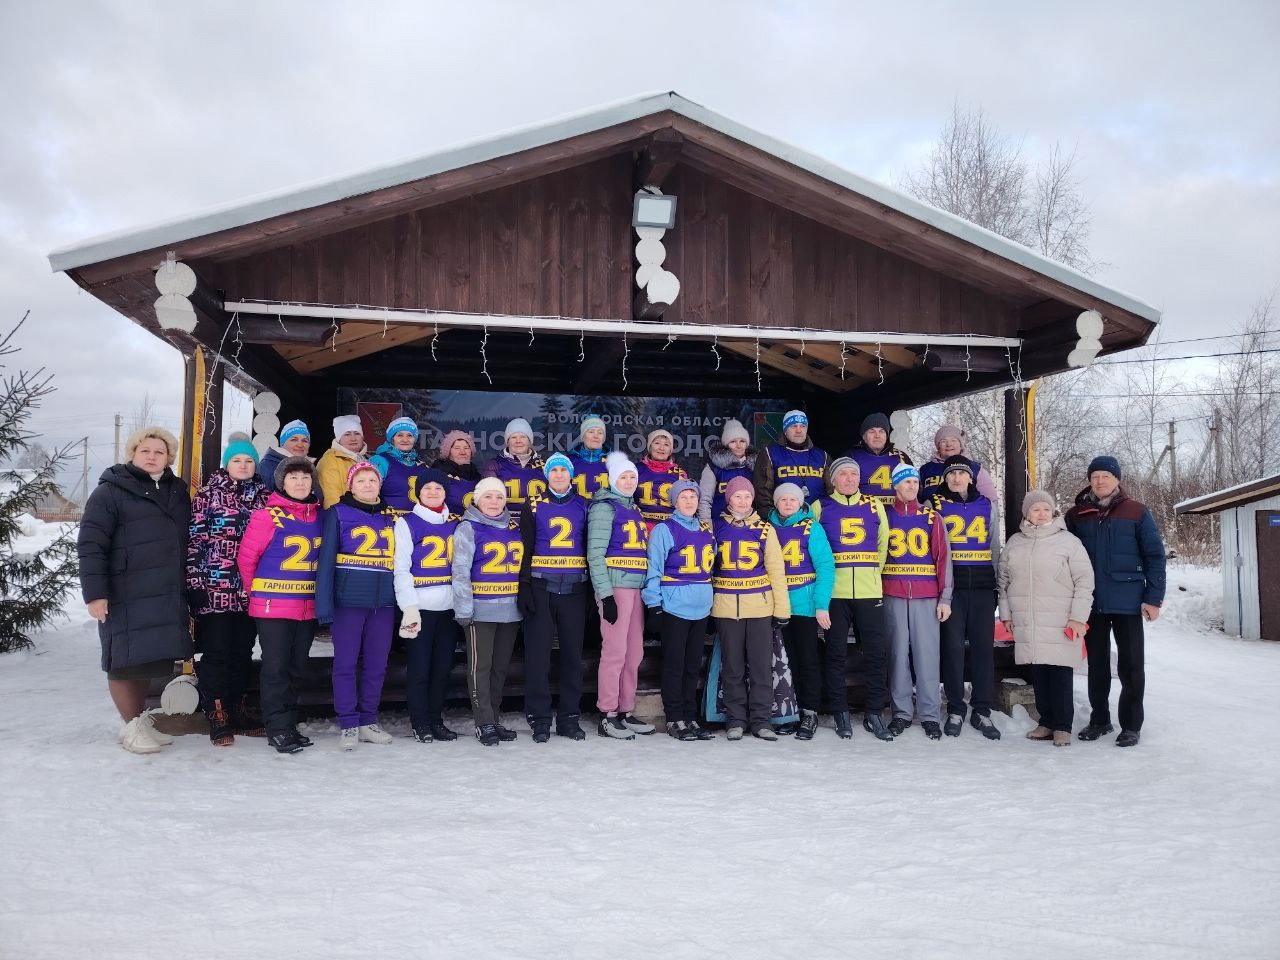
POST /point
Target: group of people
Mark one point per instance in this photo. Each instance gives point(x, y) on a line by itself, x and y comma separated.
point(907, 562)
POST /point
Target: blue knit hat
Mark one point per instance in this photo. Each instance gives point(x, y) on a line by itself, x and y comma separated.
point(794, 418)
point(557, 460)
point(294, 428)
point(1106, 462)
point(903, 471)
point(402, 425)
point(237, 447)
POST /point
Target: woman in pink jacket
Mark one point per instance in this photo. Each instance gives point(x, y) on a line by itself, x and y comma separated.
point(278, 566)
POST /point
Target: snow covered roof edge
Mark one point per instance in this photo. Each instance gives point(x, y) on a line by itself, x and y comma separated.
point(1242, 494)
point(261, 207)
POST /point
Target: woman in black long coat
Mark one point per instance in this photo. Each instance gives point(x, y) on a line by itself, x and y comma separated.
point(132, 546)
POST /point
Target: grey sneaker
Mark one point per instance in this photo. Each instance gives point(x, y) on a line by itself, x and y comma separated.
point(735, 733)
point(766, 733)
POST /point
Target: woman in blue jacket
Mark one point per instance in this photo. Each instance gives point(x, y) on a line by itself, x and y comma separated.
point(811, 577)
point(677, 591)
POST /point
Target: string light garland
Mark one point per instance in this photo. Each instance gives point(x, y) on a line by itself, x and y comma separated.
point(626, 352)
point(759, 380)
point(844, 357)
point(434, 338)
point(484, 357)
point(968, 371)
point(715, 345)
point(582, 345)
point(879, 364)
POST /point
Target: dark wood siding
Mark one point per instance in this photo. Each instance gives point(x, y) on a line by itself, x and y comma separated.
point(555, 245)
point(742, 259)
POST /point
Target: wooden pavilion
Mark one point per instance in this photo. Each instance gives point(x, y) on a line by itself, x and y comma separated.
point(850, 296)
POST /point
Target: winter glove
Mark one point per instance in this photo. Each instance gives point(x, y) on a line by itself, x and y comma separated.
point(609, 610)
point(525, 602)
point(463, 622)
point(411, 622)
point(653, 620)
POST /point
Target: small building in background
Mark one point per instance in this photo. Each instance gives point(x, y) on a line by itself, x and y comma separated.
point(1250, 529)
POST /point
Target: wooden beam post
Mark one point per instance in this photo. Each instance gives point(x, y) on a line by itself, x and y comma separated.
point(1017, 478)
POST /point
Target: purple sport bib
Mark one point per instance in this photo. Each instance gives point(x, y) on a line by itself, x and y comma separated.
point(432, 563)
point(740, 558)
point(495, 566)
point(854, 532)
point(794, 541)
point(287, 567)
point(560, 541)
point(628, 547)
point(366, 541)
point(692, 555)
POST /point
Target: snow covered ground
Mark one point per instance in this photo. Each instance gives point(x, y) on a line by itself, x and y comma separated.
point(652, 848)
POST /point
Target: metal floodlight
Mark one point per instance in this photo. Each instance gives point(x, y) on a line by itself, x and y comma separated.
point(654, 210)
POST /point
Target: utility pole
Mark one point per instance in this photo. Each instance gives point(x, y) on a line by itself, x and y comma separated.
point(1173, 456)
point(1217, 451)
point(116, 455)
point(85, 479)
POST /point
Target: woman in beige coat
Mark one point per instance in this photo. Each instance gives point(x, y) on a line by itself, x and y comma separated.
point(1046, 591)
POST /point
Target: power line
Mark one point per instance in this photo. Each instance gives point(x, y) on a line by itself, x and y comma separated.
point(1194, 356)
point(1220, 336)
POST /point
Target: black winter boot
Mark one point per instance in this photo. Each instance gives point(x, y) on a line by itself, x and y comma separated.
point(984, 726)
point(505, 734)
point(1095, 730)
point(898, 726)
point(487, 734)
point(844, 729)
point(955, 723)
point(808, 726)
point(873, 723)
point(931, 729)
point(283, 743)
point(569, 727)
point(221, 733)
point(541, 731)
point(1128, 738)
point(440, 732)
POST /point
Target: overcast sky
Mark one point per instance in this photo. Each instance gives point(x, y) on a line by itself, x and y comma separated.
point(117, 114)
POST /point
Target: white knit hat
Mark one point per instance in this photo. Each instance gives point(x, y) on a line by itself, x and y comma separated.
point(347, 424)
point(617, 463)
point(733, 430)
point(518, 425)
point(489, 485)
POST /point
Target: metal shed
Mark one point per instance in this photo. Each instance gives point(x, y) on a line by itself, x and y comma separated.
point(1249, 516)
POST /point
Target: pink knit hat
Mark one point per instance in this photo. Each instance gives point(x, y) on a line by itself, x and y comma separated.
point(948, 431)
point(737, 484)
point(356, 468)
point(448, 440)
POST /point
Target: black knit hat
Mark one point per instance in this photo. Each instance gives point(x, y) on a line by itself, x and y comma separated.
point(957, 462)
point(872, 420)
point(294, 465)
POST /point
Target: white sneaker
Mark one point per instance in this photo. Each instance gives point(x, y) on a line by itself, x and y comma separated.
point(136, 738)
point(348, 739)
point(372, 733)
point(636, 725)
point(161, 738)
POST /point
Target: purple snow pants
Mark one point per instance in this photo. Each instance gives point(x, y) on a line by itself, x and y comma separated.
point(361, 636)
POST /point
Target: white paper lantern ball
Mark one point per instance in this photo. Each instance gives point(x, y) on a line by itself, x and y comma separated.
point(263, 442)
point(266, 402)
point(651, 251)
point(174, 312)
point(176, 278)
point(266, 423)
point(1089, 325)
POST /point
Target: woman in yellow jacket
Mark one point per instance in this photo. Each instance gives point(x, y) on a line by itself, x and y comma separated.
point(346, 451)
point(750, 593)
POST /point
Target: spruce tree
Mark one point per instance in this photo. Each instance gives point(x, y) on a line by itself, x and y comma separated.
point(33, 585)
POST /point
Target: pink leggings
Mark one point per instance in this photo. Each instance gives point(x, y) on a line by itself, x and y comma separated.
point(621, 650)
